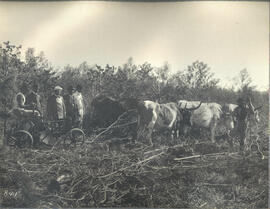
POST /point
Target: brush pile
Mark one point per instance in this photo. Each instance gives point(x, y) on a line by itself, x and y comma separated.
point(99, 174)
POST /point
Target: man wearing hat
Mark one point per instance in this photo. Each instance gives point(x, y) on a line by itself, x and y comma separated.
point(56, 108)
point(70, 106)
point(241, 118)
point(79, 106)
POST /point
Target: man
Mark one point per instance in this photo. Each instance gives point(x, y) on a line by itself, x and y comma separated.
point(70, 106)
point(241, 114)
point(19, 102)
point(21, 109)
point(33, 99)
point(79, 106)
point(56, 108)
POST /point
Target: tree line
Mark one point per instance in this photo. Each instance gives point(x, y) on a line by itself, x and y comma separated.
point(144, 81)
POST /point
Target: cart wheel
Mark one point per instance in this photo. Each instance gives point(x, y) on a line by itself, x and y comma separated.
point(77, 137)
point(23, 139)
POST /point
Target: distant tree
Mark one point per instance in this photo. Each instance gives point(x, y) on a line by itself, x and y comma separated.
point(10, 66)
point(37, 69)
point(198, 76)
point(163, 73)
point(129, 68)
point(160, 85)
point(244, 83)
point(195, 81)
point(14, 72)
point(135, 81)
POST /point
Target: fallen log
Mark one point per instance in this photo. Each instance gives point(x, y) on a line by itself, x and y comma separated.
point(189, 157)
point(199, 156)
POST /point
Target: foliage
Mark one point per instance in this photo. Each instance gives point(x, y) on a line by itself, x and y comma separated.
point(143, 81)
point(195, 82)
point(110, 173)
point(10, 67)
point(244, 83)
point(14, 72)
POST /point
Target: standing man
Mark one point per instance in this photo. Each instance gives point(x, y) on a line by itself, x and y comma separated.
point(33, 99)
point(70, 107)
point(56, 108)
point(241, 118)
point(79, 106)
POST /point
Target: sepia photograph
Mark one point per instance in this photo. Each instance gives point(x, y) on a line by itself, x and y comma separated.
point(134, 104)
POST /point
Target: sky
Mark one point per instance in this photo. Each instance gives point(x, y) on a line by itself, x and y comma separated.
point(228, 36)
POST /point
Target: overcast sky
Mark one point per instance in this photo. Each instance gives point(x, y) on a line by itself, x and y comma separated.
point(228, 36)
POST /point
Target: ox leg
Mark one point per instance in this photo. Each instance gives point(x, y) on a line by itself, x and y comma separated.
point(140, 129)
point(144, 133)
point(230, 139)
point(175, 134)
point(213, 130)
point(140, 132)
point(149, 133)
point(172, 134)
point(150, 128)
point(175, 131)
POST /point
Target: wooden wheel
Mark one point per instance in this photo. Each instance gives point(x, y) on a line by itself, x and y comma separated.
point(22, 139)
point(76, 137)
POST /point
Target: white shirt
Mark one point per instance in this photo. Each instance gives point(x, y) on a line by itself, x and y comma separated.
point(79, 103)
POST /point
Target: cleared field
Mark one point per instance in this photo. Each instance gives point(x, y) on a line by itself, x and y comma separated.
point(109, 174)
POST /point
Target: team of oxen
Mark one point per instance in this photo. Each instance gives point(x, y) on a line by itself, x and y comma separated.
point(175, 117)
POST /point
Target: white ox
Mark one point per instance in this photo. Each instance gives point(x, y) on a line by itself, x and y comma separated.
point(210, 116)
point(160, 117)
point(253, 118)
point(154, 116)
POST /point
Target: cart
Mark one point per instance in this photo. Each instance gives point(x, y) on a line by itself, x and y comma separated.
point(34, 131)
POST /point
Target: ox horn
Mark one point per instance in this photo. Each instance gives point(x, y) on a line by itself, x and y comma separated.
point(257, 108)
point(193, 108)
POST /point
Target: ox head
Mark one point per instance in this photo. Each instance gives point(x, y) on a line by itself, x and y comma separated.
point(186, 114)
point(255, 117)
point(185, 122)
point(229, 120)
point(128, 103)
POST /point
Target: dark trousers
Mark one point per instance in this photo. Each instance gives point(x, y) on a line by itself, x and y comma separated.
point(241, 132)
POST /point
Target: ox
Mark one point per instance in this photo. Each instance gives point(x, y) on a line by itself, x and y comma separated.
point(252, 121)
point(105, 110)
point(253, 117)
point(160, 117)
point(209, 115)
